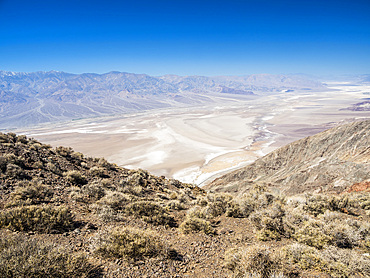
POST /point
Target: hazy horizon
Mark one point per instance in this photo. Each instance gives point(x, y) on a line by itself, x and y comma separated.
point(208, 38)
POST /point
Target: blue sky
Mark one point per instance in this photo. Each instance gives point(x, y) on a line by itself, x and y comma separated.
point(158, 37)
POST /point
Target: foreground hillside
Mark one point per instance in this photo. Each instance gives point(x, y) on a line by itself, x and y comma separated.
point(330, 161)
point(66, 215)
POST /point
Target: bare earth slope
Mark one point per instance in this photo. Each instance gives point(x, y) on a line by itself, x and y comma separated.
point(65, 215)
point(329, 161)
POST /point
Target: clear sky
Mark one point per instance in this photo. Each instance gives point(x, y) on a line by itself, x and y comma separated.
point(186, 37)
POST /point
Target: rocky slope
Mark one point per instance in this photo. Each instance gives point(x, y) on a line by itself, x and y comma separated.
point(330, 161)
point(39, 97)
point(66, 215)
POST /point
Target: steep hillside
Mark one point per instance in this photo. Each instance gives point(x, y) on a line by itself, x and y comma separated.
point(66, 215)
point(329, 161)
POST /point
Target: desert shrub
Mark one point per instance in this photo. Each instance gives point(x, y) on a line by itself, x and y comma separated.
point(319, 203)
point(255, 199)
point(102, 162)
point(343, 235)
point(271, 224)
point(359, 200)
point(214, 205)
point(13, 159)
point(35, 146)
point(345, 263)
point(202, 201)
point(195, 224)
point(77, 155)
point(116, 200)
point(217, 204)
point(104, 213)
point(130, 244)
point(316, 204)
point(31, 194)
point(53, 168)
point(253, 261)
point(183, 196)
point(132, 190)
point(75, 177)
point(45, 219)
point(97, 171)
point(312, 234)
point(197, 211)
point(87, 193)
point(305, 257)
point(75, 193)
point(38, 165)
point(150, 212)
point(175, 205)
point(32, 258)
point(3, 163)
point(139, 178)
point(93, 191)
point(22, 139)
point(4, 138)
point(331, 260)
point(234, 210)
point(64, 151)
point(173, 196)
point(15, 171)
point(296, 216)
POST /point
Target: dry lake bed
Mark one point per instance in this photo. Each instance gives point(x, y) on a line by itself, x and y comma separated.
point(197, 144)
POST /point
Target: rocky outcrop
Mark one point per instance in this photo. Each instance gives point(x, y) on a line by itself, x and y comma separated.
point(329, 161)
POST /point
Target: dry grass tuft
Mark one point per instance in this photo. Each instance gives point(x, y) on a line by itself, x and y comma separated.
point(32, 258)
point(130, 244)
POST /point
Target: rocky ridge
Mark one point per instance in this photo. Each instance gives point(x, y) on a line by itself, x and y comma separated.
point(330, 161)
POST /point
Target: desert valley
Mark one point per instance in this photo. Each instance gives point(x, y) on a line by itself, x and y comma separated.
point(223, 132)
point(125, 175)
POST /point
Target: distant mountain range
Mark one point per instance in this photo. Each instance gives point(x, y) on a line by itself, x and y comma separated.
point(38, 97)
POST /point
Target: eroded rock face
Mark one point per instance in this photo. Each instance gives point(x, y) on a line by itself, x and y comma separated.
point(329, 161)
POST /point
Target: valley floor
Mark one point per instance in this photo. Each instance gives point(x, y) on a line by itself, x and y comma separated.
point(198, 144)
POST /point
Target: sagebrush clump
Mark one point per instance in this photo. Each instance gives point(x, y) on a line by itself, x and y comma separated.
point(32, 258)
point(44, 219)
point(130, 244)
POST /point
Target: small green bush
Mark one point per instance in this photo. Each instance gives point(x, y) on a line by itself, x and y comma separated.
point(32, 258)
point(318, 204)
point(131, 244)
point(175, 205)
point(195, 224)
point(116, 200)
point(15, 171)
point(150, 212)
point(44, 219)
point(93, 191)
point(64, 151)
point(313, 235)
point(104, 213)
point(31, 194)
point(97, 171)
point(75, 177)
point(253, 261)
point(271, 224)
point(331, 260)
point(53, 168)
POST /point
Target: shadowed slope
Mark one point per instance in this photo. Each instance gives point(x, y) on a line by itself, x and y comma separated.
point(330, 161)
